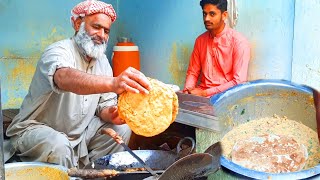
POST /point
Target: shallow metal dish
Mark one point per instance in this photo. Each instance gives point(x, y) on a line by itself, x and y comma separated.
point(35, 171)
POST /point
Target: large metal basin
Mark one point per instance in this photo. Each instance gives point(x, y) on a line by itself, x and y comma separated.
point(263, 98)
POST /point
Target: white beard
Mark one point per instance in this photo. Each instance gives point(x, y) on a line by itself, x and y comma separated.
point(85, 42)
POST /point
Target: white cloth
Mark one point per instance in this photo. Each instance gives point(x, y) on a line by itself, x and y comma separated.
point(67, 113)
point(89, 7)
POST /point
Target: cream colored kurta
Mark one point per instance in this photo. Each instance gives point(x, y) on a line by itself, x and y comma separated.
point(65, 112)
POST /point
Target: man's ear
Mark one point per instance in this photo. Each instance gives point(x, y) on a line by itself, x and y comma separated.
point(225, 15)
point(77, 24)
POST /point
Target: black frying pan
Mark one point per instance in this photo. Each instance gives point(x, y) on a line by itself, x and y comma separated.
point(129, 167)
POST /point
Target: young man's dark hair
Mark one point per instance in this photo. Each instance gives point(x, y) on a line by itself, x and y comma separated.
point(221, 4)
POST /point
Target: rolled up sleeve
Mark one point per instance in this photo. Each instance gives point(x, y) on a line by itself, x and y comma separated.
point(52, 60)
point(106, 100)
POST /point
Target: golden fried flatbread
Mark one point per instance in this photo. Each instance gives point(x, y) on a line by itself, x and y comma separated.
point(270, 153)
point(149, 114)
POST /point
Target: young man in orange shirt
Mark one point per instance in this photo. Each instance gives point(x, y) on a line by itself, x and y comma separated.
point(220, 56)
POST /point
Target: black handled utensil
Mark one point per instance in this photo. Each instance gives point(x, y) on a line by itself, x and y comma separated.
point(118, 139)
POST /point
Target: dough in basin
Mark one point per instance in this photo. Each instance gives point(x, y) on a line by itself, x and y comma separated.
point(270, 153)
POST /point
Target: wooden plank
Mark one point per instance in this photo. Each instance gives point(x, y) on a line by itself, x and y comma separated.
point(6, 119)
point(16, 111)
point(10, 113)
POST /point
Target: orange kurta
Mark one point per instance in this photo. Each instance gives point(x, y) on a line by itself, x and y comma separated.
point(221, 61)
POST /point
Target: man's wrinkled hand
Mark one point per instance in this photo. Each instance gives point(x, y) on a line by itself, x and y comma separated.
point(114, 116)
point(131, 80)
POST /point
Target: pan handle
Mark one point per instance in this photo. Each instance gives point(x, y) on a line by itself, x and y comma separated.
point(183, 140)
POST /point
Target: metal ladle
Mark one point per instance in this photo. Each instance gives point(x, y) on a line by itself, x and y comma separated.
point(194, 166)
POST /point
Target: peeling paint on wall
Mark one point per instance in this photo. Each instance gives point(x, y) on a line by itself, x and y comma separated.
point(54, 36)
point(178, 63)
point(19, 71)
point(28, 27)
point(18, 67)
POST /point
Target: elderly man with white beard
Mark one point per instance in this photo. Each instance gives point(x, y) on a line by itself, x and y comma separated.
point(73, 96)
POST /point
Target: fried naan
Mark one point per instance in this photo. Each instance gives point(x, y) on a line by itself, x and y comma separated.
point(149, 114)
